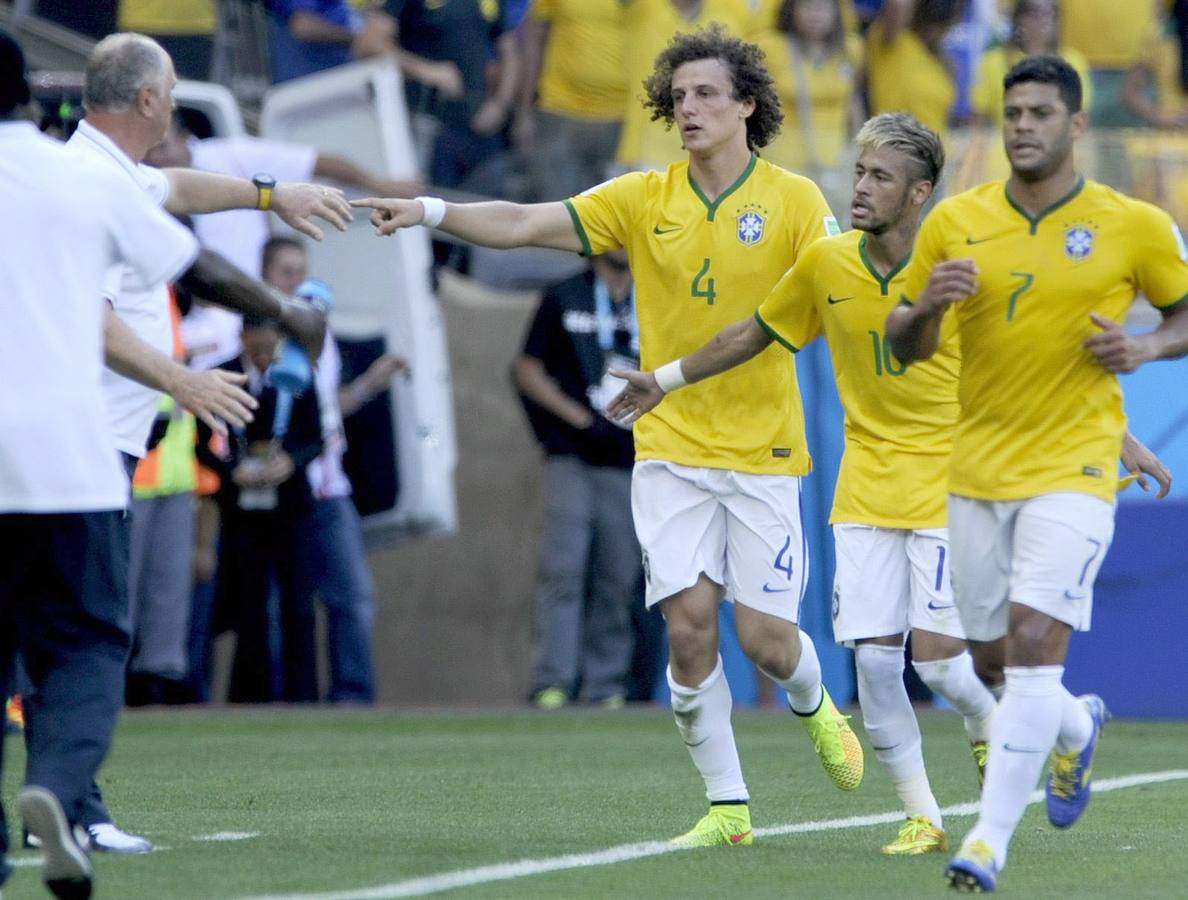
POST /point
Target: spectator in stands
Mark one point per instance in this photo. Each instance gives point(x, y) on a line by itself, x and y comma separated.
point(185, 28)
point(906, 68)
point(1113, 40)
point(264, 493)
point(212, 334)
point(1155, 89)
point(160, 567)
point(469, 35)
point(1035, 31)
point(573, 94)
point(589, 556)
point(815, 63)
point(331, 562)
point(645, 143)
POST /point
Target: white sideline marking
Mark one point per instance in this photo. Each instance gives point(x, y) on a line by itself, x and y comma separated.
point(432, 884)
point(227, 836)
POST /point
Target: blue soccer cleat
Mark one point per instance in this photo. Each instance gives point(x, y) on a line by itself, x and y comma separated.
point(973, 870)
point(1068, 785)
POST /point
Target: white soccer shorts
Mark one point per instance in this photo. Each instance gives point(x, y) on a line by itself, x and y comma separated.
point(891, 580)
point(1043, 552)
point(743, 531)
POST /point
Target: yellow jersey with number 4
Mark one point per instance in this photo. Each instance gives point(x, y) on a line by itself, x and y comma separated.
point(1038, 414)
point(700, 266)
point(898, 419)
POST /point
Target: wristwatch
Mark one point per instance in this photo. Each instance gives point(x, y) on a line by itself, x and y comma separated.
point(265, 185)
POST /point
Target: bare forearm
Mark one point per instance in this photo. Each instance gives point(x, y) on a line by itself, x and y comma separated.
point(354, 396)
point(131, 357)
point(217, 281)
point(532, 36)
point(510, 70)
point(504, 225)
point(732, 346)
point(914, 335)
point(344, 170)
point(536, 384)
point(1170, 339)
point(193, 191)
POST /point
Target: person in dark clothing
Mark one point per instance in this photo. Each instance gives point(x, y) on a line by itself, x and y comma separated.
point(264, 493)
point(590, 560)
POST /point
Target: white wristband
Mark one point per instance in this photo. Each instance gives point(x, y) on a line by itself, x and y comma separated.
point(435, 210)
point(670, 377)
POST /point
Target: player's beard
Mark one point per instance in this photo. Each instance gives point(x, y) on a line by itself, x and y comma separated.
point(1050, 162)
point(886, 222)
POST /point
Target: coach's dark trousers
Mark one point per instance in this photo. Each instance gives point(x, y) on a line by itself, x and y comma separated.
point(64, 606)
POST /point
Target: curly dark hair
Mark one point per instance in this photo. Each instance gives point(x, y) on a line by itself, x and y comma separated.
point(748, 72)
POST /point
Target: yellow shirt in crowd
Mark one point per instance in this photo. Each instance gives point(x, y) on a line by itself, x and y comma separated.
point(1109, 33)
point(650, 25)
point(986, 95)
point(899, 419)
point(1038, 414)
point(905, 77)
point(700, 266)
point(582, 73)
point(169, 16)
point(829, 87)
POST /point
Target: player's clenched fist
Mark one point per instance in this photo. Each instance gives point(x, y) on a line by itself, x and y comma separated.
point(950, 281)
point(389, 215)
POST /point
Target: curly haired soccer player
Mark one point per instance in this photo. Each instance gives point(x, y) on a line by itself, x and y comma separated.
point(716, 485)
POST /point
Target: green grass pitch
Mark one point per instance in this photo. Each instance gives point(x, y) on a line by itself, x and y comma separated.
point(342, 801)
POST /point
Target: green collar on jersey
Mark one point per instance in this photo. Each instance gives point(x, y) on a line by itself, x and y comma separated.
point(1034, 221)
point(884, 282)
point(713, 207)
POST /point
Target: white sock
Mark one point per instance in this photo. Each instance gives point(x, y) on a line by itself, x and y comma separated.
point(955, 680)
point(804, 684)
point(1022, 733)
point(1076, 725)
point(891, 726)
point(702, 716)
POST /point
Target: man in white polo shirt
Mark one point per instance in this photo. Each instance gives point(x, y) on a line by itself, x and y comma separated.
point(128, 97)
point(61, 488)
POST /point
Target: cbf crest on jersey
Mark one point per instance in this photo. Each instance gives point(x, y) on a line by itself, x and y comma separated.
point(1078, 242)
point(751, 223)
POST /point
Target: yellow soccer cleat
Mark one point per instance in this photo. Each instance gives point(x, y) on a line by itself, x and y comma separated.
point(980, 751)
point(725, 825)
point(14, 715)
point(550, 698)
point(836, 743)
point(917, 836)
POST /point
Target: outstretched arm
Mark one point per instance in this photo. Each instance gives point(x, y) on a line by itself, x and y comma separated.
point(217, 281)
point(730, 347)
point(495, 223)
point(192, 191)
point(212, 396)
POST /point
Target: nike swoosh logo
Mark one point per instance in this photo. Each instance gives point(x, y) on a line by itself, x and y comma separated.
point(971, 241)
point(739, 838)
point(659, 230)
point(1014, 749)
point(892, 747)
point(936, 606)
point(1070, 596)
point(831, 300)
point(771, 590)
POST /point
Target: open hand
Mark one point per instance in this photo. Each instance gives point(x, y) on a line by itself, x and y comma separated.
point(216, 397)
point(640, 397)
point(298, 202)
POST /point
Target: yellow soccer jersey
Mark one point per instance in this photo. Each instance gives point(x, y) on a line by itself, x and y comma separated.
point(698, 267)
point(906, 77)
point(650, 25)
point(582, 73)
point(899, 419)
point(1038, 414)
